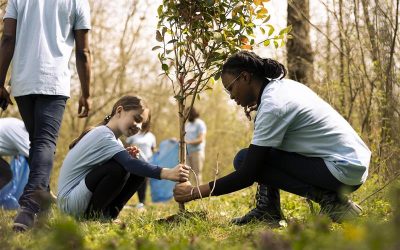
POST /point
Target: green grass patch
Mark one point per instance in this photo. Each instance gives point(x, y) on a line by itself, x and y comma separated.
point(376, 228)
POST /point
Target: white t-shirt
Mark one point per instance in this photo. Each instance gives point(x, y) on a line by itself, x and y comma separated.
point(291, 117)
point(145, 142)
point(193, 130)
point(14, 139)
point(44, 44)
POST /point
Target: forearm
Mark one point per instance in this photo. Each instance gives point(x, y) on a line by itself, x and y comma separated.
point(230, 183)
point(165, 174)
point(136, 166)
point(7, 46)
point(83, 66)
point(196, 141)
point(246, 175)
point(204, 190)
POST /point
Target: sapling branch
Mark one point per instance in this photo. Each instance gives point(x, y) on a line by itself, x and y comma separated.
point(215, 175)
point(381, 188)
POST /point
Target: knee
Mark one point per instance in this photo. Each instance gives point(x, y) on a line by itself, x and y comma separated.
point(239, 158)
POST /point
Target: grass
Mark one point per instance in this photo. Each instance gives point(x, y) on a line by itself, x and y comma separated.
point(376, 229)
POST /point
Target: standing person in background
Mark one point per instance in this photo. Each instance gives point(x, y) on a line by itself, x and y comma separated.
point(14, 140)
point(196, 142)
point(39, 36)
point(146, 142)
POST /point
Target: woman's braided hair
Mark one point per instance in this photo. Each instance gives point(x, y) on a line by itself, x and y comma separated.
point(262, 68)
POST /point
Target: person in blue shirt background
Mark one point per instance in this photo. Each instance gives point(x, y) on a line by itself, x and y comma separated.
point(195, 138)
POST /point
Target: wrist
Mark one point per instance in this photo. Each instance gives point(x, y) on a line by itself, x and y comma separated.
point(164, 173)
point(204, 191)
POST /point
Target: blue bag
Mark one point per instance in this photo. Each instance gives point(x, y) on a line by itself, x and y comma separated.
point(167, 156)
point(11, 192)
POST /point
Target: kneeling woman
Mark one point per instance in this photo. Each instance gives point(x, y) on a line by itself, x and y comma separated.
point(300, 144)
point(99, 175)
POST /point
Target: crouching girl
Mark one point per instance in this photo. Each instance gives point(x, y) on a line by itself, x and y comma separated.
point(99, 175)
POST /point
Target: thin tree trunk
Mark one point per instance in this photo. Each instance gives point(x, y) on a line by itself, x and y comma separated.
point(341, 58)
point(182, 144)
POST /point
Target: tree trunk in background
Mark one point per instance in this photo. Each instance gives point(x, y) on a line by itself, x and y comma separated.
point(328, 66)
point(387, 34)
point(300, 56)
point(341, 57)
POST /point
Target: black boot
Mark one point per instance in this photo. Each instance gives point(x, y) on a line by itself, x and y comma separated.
point(24, 220)
point(268, 207)
point(337, 207)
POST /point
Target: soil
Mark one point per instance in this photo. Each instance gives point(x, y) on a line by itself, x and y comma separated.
point(184, 216)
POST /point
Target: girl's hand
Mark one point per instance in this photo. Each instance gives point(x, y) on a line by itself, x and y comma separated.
point(133, 151)
point(183, 192)
point(179, 173)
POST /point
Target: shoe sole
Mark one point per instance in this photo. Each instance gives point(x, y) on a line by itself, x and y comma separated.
point(19, 227)
point(354, 210)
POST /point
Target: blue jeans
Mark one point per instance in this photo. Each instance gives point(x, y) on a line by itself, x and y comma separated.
point(42, 115)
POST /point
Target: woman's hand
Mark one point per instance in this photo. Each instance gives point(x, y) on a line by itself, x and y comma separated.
point(133, 151)
point(4, 98)
point(179, 173)
point(183, 192)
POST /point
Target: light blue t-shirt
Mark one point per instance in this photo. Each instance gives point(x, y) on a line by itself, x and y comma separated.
point(193, 130)
point(292, 118)
point(145, 142)
point(44, 43)
point(95, 148)
point(14, 138)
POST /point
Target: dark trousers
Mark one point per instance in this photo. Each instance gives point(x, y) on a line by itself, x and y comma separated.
point(142, 191)
point(5, 173)
point(42, 115)
point(305, 176)
point(112, 187)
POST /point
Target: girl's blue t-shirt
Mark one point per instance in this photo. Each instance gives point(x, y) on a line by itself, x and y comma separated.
point(95, 148)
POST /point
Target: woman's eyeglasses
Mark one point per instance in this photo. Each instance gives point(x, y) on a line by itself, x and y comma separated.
point(228, 88)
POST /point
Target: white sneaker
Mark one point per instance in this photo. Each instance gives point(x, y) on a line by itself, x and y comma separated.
point(140, 206)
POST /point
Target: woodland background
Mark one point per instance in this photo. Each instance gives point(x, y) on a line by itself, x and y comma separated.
point(346, 51)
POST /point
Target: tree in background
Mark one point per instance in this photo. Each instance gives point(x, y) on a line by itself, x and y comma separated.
point(300, 57)
point(197, 36)
point(355, 71)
